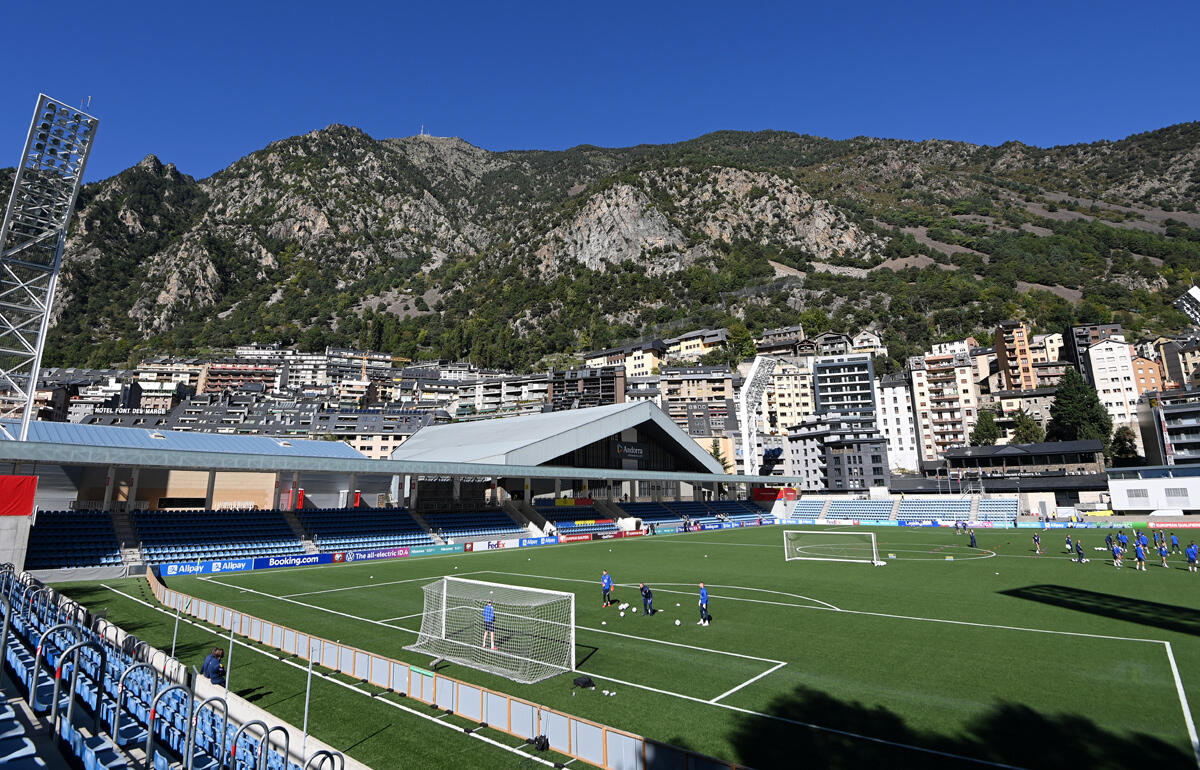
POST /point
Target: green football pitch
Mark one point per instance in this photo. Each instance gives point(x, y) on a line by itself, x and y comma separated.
point(947, 656)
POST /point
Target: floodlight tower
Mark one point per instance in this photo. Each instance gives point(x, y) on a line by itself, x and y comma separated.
point(31, 245)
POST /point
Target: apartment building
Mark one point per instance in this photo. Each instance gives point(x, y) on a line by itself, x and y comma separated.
point(1046, 347)
point(1109, 366)
point(694, 344)
point(780, 341)
point(581, 388)
point(683, 386)
point(945, 402)
point(640, 359)
point(512, 395)
point(1147, 375)
point(839, 451)
point(1169, 425)
point(1013, 357)
point(895, 419)
point(869, 342)
point(844, 383)
point(790, 397)
point(1077, 339)
point(217, 376)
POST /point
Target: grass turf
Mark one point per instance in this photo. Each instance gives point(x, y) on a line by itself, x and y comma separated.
point(871, 672)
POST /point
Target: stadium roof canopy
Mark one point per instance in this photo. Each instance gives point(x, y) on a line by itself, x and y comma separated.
point(181, 441)
point(540, 438)
point(68, 444)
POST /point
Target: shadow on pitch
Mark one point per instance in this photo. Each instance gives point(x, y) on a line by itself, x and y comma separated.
point(832, 733)
point(1168, 616)
point(590, 652)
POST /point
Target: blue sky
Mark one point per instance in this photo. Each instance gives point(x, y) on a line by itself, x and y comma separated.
point(202, 84)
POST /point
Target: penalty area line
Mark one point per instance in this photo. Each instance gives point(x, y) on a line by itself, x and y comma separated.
point(811, 726)
point(749, 681)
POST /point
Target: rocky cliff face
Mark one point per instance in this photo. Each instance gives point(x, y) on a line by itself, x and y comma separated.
point(427, 243)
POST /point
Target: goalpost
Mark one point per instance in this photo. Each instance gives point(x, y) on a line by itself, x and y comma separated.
point(825, 545)
point(530, 638)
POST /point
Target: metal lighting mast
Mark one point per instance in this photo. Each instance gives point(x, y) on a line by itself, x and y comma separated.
point(31, 246)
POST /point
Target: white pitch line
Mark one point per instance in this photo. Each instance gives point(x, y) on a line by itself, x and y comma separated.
point(403, 617)
point(680, 644)
point(375, 585)
point(752, 680)
point(315, 607)
point(1183, 702)
point(683, 593)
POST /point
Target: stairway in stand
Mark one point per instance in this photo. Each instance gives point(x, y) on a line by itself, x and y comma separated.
point(298, 530)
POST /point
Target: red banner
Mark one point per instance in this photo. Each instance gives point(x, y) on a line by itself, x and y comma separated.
point(1173, 524)
point(632, 533)
point(772, 493)
point(573, 538)
point(16, 495)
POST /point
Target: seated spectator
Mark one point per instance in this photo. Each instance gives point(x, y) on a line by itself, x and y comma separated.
point(212, 667)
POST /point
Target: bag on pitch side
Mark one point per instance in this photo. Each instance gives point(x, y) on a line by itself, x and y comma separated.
point(585, 682)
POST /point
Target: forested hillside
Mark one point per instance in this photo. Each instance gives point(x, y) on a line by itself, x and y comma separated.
point(430, 247)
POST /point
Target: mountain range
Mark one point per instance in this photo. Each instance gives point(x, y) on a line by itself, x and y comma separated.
point(430, 247)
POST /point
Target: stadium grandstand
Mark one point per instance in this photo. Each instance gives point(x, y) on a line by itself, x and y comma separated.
point(109, 499)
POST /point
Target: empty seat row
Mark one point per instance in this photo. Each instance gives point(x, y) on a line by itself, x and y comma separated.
point(61, 539)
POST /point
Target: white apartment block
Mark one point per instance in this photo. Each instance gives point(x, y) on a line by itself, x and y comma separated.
point(1110, 363)
point(790, 397)
point(945, 402)
point(894, 418)
point(1046, 347)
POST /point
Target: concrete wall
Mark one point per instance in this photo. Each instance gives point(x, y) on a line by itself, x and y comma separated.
point(14, 539)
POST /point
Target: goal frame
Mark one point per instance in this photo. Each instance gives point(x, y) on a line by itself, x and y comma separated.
point(445, 607)
point(787, 556)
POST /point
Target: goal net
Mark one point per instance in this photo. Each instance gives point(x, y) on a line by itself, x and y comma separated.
point(824, 545)
point(527, 636)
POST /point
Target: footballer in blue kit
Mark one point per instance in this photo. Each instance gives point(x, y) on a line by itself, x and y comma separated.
point(703, 606)
point(1139, 553)
point(489, 625)
point(1191, 556)
point(1174, 543)
point(1162, 553)
point(606, 583)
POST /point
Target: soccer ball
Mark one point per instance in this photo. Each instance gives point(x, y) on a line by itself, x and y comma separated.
point(622, 614)
point(605, 622)
point(634, 610)
point(676, 621)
